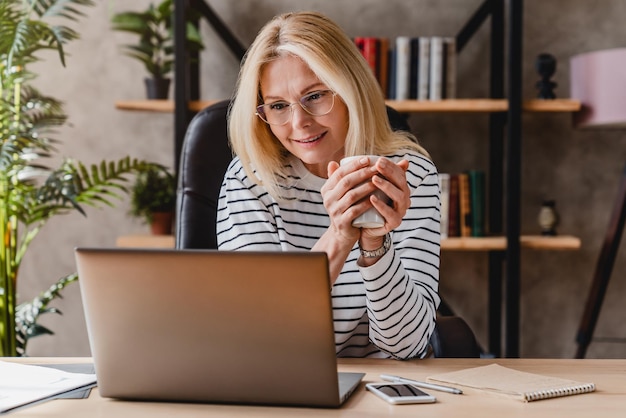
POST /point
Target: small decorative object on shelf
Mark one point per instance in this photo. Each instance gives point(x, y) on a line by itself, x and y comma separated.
point(548, 218)
point(546, 67)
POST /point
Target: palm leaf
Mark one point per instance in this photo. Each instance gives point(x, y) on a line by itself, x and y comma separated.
point(74, 185)
point(59, 8)
point(22, 37)
point(30, 126)
point(28, 313)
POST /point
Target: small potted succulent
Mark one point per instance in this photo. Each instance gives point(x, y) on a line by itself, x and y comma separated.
point(155, 48)
point(153, 198)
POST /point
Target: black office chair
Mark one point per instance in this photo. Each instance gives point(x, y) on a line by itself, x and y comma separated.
point(204, 159)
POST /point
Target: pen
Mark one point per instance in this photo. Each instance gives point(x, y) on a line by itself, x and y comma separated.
point(417, 383)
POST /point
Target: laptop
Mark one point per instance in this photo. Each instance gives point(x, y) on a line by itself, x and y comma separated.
point(212, 326)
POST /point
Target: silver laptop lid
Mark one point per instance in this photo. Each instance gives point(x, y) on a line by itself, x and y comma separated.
point(210, 326)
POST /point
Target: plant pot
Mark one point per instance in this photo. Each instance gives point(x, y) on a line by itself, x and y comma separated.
point(157, 88)
point(162, 223)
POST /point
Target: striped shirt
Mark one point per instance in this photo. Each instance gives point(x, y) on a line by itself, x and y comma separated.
point(384, 310)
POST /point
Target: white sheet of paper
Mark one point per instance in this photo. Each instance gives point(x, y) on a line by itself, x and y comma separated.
point(21, 384)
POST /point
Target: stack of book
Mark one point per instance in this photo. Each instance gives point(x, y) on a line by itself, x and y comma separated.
point(412, 68)
point(462, 204)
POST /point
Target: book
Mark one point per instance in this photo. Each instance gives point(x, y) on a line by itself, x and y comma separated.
point(413, 68)
point(436, 68)
point(514, 384)
point(383, 64)
point(477, 202)
point(423, 68)
point(444, 187)
point(391, 72)
point(419, 68)
point(369, 49)
point(403, 67)
point(465, 208)
point(450, 68)
point(453, 207)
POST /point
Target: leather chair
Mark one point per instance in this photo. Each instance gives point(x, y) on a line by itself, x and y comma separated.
point(204, 159)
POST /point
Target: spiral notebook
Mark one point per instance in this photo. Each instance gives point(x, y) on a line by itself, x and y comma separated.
point(510, 383)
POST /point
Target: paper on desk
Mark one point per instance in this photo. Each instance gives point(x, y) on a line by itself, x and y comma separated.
point(21, 384)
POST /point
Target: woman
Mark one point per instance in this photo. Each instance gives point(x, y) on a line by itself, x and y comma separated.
point(305, 99)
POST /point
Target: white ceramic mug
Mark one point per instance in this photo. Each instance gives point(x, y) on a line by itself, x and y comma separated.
point(370, 218)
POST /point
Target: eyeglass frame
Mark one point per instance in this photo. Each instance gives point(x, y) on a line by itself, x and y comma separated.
point(260, 112)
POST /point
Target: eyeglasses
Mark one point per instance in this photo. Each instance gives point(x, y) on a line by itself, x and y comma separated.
point(317, 103)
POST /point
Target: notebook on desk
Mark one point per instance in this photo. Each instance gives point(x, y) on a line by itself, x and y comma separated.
point(212, 326)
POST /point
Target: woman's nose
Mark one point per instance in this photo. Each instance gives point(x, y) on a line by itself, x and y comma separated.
point(299, 116)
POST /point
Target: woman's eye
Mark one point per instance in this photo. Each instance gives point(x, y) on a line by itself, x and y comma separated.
point(278, 106)
point(314, 96)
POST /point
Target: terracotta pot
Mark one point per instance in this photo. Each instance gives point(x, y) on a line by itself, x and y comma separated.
point(162, 223)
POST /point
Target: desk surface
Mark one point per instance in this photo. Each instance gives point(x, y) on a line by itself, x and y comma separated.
point(609, 400)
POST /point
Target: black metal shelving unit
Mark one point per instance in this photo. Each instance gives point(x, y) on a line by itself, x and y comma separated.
point(505, 137)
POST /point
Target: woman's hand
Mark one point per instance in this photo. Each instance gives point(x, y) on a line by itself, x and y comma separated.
point(345, 195)
point(348, 193)
point(391, 180)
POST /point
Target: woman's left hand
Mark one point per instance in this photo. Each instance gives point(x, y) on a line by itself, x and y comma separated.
point(391, 180)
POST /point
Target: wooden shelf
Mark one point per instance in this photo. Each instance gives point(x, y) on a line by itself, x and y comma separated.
point(161, 106)
point(536, 242)
point(482, 105)
point(553, 105)
point(450, 105)
point(410, 106)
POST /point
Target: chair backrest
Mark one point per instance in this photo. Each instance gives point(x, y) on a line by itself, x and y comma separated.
point(453, 338)
point(204, 159)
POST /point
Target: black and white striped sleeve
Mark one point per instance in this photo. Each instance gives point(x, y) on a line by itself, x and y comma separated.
point(245, 219)
point(402, 287)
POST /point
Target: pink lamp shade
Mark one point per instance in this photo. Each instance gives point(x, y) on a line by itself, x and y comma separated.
point(598, 80)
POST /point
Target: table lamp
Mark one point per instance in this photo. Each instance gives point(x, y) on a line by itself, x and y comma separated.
point(598, 80)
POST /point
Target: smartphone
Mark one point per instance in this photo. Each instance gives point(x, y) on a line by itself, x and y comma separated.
point(400, 393)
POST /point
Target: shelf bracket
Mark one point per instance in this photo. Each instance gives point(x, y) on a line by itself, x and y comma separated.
point(220, 27)
point(474, 23)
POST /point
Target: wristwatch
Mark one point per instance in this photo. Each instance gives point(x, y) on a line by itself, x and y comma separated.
point(378, 252)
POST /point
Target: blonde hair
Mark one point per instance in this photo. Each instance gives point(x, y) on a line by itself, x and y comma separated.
point(335, 60)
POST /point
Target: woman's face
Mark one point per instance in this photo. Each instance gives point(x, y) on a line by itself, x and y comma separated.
point(315, 140)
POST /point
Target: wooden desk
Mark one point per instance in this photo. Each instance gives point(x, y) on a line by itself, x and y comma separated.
point(609, 400)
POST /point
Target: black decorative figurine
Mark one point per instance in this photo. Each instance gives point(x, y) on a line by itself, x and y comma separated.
point(546, 66)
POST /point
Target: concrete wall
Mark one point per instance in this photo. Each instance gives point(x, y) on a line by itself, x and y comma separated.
point(578, 169)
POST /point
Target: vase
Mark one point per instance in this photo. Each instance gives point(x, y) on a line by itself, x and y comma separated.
point(157, 88)
point(162, 223)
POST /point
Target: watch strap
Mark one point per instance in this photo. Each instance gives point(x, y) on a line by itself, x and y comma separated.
point(378, 252)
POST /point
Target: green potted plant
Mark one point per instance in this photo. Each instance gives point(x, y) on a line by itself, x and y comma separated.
point(31, 193)
point(155, 48)
point(153, 198)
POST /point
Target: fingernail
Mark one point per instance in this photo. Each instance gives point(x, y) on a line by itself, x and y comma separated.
point(364, 160)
